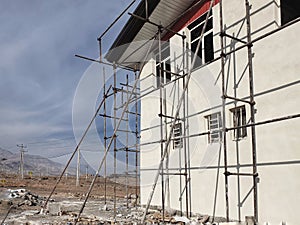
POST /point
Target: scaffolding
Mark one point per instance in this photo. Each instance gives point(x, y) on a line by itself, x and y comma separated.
point(131, 95)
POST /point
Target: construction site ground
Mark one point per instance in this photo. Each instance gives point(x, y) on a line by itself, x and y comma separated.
point(66, 201)
point(24, 199)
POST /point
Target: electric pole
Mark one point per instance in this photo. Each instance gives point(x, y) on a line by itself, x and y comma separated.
point(22, 147)
point(86, 172)
point(78, 168)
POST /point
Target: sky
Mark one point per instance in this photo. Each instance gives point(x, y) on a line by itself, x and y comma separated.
point(39, 75)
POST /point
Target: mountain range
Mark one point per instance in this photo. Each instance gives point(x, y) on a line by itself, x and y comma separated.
point(33, 164)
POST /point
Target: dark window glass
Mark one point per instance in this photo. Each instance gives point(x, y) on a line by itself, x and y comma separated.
point(290, 10)
point(197, 31)
point(209, 47)
point(239, 119)
point(168, 68)
point(198, 61)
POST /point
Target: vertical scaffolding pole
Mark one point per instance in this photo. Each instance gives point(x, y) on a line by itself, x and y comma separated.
point(167, 194)
point(78, 168)
point(136, 143)
point(127, 129)
point(185, 148)
point(105, 134)
point(115, 140)
point(161, 122)
point(252, 109)
point(184, 52)
point(185, 153)
point(223, 61)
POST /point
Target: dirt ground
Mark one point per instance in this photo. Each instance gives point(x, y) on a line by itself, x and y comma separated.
point(67, 199)
point(24, 198)
point(66, 188)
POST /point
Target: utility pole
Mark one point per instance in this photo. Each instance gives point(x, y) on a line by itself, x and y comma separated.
point(22, 147)
point(86, 172)
point(78, 168)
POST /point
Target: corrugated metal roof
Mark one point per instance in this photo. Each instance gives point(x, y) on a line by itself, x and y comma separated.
point(163, 12)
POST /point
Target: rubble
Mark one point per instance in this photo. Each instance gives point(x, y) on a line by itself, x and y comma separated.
point(21, 197)
point(96, 211)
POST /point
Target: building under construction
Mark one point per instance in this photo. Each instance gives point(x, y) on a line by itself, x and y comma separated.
point(215, 104)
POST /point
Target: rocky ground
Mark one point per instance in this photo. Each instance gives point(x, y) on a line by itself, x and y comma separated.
point(23, 199)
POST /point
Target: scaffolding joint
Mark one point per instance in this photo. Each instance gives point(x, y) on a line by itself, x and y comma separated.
point(250, 44)
point(223, 54)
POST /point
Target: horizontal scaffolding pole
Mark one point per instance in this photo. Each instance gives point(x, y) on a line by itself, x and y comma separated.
point(179, 174)
point(170, 117)
point(134, 113)
point(105, 63)
point(111, 117)
point(239, 100)
point(241, 174)
point(124, 91)
point(127, 85)
point(224, 34)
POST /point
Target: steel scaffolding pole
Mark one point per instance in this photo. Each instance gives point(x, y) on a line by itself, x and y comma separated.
point(136, 147)
point(115, 140)
point(252, 108)
point(223, 61)
point(105, 134)
point(127, 128)
point(161, 122)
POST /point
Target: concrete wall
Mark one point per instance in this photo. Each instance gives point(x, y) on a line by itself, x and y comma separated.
point(276, 84)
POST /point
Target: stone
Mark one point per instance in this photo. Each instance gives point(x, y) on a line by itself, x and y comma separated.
point(54, 209)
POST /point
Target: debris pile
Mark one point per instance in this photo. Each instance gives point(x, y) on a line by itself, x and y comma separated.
point(21, 197)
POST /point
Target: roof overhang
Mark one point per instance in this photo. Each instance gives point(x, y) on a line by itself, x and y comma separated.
point(134, 41)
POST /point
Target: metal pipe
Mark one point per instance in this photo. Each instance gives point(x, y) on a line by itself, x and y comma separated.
point(115, 142)
point(161, 79)
point(185, 152)
point(252, 109)
point(105, 138)
point(223, 59)
point(127, 128)
point(136, 147)
point(105, 63)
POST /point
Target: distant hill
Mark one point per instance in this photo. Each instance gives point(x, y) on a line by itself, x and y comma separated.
point(38, 165)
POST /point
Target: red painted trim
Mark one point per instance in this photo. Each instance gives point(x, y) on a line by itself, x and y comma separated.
point(188, 18)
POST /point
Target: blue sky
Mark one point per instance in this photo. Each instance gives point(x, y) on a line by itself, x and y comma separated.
point(38, 71)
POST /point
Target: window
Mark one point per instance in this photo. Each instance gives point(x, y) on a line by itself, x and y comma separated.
point(290, 10)
point(206, 50)
point(163, 74)
point(239, 119)
point(177, 143)
point(214, 124)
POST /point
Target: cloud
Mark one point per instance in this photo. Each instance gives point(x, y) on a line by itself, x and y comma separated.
point(38, 70)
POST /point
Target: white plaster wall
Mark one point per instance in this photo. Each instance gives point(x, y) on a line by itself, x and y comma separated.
point(276, 83)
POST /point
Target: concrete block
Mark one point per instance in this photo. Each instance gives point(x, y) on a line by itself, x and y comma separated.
point(54, 208)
